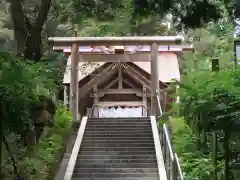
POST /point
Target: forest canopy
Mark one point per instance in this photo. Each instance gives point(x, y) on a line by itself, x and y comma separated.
point(31, 21)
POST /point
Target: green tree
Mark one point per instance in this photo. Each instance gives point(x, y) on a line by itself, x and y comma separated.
point(31, 20)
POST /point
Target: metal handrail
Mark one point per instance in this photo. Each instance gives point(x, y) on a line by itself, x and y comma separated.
point(171, 160)
point(179, 167)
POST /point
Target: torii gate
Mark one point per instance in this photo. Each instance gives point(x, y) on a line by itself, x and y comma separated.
point(116, 49)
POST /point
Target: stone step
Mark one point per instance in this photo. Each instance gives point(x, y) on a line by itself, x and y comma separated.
point(117, 131)
point(100, 144)
point(129, 140)
point(107, 122)
point(107, 157)
point(120, 119)
point(117, 165)
point(114, 161)
point(112, 132)
point(116, 148)
point(117, 128)
point(152, 152)
point(124, 136)
point(95, 139)
point(125, 178)
point(115, 175)
point(133, 122)
point(115, 170)
point(114, 124)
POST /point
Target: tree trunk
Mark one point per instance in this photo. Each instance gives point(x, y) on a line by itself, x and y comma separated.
point(19, 23)
point(14, 163)
point(28, 36)
point(198, 129)
point(1, 140)
point(1, 148)
point(226, 154)
point(33, 50)
point(214, 154)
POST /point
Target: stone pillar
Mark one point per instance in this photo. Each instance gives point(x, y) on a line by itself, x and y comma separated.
point(154, 78)
point(74, 82)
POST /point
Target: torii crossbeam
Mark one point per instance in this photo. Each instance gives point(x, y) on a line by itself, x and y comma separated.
point(116, 49)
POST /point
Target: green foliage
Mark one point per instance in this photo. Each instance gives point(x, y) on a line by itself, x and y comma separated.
point(19, 81)
point(41, 162)
point(210, 103)
point(194, 163)
point(16, 92)
point(214, 40)
point(213, 95)
point(6, 34)
point(22, 86)
point(187, 13)
point(63, 118)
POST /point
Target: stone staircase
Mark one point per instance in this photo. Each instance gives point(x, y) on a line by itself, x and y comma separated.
point(117, 149)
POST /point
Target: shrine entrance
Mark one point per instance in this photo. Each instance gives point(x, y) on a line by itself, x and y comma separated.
point(119, 76)
point(122, 84)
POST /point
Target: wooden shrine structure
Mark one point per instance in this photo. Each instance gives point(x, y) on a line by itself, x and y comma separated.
point(118, 71)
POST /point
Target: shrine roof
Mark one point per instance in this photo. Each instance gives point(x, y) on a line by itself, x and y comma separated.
point(168, 68)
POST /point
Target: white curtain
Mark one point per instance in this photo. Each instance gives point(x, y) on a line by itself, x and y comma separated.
point(118, 112)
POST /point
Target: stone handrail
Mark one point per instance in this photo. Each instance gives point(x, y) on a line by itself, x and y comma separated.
point(159, 155)
point(74, 154)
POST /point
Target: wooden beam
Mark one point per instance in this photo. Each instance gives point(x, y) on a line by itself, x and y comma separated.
point(118, 49)
point(98, 79)
point(111, 84)
point(144, 97)
point(127, 49)
point(120, 103)
point(137, 78)
point(74, 82)
point(102, 92)
point(137, 92)
point(138, 74)
point(115, 41)
point(154, 78)
point(95, 94)
point(120, 79)
point(128, 83)
point(139, 57)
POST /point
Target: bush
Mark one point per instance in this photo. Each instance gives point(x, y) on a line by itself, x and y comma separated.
point(41, 162)
point(195, 164)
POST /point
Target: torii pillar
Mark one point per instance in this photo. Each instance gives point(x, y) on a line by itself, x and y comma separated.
point(154, 78)
point(74, 82)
